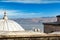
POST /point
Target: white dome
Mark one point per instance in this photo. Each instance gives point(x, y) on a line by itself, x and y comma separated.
point(9, 25)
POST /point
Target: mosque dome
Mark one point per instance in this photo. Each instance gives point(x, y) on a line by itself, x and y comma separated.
point(9, 25)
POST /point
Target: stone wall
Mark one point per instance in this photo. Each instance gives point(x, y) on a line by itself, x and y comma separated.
point(51, 28)
point(33, 38)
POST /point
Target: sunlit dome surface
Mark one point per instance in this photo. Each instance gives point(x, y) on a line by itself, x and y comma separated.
point(9, 25)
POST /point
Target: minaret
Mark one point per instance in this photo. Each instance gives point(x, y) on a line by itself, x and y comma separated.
point(5, 16)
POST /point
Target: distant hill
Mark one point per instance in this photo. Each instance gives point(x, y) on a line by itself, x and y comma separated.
point(42, 19)
point(30, 23)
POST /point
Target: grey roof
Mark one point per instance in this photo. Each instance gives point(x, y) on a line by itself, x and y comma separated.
point(58, 16)
point(53, 23)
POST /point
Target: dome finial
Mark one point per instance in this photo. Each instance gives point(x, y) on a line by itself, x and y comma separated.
point(5, 13)
point(5, 16)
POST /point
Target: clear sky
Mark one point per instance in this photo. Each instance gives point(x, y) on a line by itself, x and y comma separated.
point(30, 8)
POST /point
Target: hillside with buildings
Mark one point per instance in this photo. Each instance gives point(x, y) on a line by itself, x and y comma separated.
point(30, 23)
point(37, 20)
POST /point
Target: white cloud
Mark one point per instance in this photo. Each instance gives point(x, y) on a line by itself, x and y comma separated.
point(30, 15)
point(9, 12)
point(18, 14)
point(33, 1)
point(23, 1)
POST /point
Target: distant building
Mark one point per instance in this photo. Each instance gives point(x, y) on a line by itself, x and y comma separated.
point(52, 26)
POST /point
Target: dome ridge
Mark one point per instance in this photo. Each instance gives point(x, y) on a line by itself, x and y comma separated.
point(9, 25)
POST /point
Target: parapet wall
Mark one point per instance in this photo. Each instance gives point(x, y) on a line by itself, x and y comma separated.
point(46, 37)
point(32, 38)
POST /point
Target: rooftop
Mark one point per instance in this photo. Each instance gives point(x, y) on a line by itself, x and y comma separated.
point(58, 16)
point(53, 23)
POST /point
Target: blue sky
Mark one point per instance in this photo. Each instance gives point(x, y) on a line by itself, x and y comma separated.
point(30, 8)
